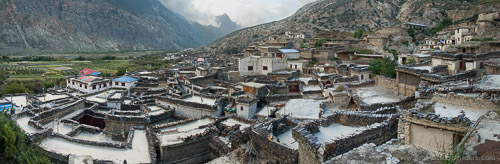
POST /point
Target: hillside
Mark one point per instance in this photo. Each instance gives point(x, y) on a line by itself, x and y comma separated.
point(349, 15)
point(89, 25)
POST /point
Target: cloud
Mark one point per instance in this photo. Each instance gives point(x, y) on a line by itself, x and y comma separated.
point(244, 12)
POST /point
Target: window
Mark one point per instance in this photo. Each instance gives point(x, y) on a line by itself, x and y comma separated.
point(250, 68)
point(85, 86)
point(73, 83)
point(80, 85)
point(291, 66)
point(116, 83)
point(264, 68)
point(105, 85)
point(123, 84)
point(295, 66)
point(241, 108)
point(362, 77)
point(93, 86)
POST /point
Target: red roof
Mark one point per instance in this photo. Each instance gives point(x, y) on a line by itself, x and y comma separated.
point(87, 78)
point(87, 71)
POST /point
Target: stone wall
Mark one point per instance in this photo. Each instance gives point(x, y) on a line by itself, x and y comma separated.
point(187, 109)
point(466, 101)
point(380, 129)
point(281, 97)
point(361, 85)
point(272, 151)
point(47, 116)
point(194, 150)
point(205, 80)
point(438, 130)
point(277, 152)
point(386, 82)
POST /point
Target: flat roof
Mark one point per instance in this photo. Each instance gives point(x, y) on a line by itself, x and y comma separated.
point(490, 82)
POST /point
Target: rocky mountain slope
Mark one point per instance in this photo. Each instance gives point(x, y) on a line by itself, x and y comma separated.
point(89, 25)
point(349, 15)
point(224, 26)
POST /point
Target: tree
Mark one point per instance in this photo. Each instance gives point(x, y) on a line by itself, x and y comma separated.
point(14, 148)
point(411, 32)
point(358, 33)
point(319, 42)
point(411, 61)
point(121, 72)
point(8, 140)
point(385, 67)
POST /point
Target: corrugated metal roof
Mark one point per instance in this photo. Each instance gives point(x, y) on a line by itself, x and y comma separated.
point(125, 79)
point(289, 51)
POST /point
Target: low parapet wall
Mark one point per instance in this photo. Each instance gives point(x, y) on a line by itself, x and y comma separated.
point(281, 97)
point(188, 109)
point(184, 103)
point(47, 116)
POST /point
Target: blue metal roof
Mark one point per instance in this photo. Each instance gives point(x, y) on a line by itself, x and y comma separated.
point(289, 51)
point(125, 79)
point(96, 73)
point(5, 106)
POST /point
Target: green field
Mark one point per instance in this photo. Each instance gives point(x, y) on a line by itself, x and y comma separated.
point(18, 75)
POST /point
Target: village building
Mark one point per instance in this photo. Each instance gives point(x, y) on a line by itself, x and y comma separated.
point(200, 71)
point(88, 84)
point(124, 82)
point(290, 54)
point(246, 107)
point(417, 58)
point(295, 35)
point(414, 26)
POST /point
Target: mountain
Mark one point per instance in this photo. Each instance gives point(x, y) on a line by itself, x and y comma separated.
point(225, 26)
point(350, 15)
point(90, 25)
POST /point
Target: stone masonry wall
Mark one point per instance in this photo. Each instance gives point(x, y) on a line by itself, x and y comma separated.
point(312, 151)
point(386, 82)
point(466, 101)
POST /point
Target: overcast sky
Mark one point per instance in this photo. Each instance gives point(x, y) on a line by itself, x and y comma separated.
point(243, 12)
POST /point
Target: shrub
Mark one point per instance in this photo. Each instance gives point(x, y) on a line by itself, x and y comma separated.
point(319, 42)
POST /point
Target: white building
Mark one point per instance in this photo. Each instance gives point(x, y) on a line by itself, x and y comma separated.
point(256, 65)
point(464, 34)
point(297, 64)
point(246, 107)
point(295, 35)
point(88, 84)
point(124, 82)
